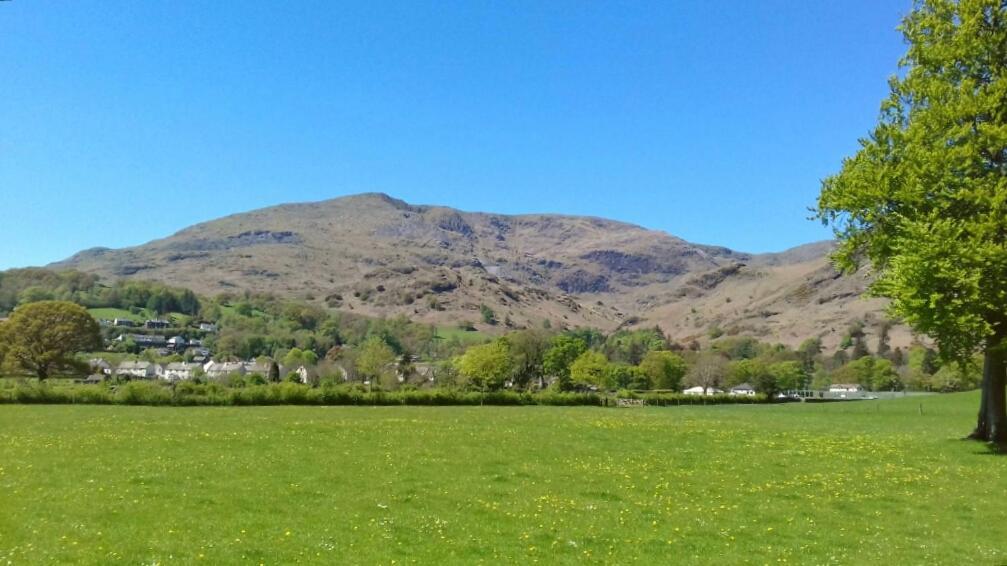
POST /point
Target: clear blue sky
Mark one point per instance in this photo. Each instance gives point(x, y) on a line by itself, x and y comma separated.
point(124, 121)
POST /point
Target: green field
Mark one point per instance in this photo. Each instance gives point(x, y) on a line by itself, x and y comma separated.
point(863, 482)
point(460, 334)
point(108, 313)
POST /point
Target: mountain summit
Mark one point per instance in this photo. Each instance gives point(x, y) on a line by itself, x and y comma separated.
point(376, 255)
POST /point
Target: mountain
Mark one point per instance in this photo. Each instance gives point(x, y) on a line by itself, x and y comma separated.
point(376, 255)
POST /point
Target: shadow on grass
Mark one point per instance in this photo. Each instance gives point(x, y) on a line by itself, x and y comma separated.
point(988, 448)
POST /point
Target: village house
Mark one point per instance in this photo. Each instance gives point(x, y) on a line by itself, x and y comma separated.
point(700, 390)
point(425, 371)
point(178, 371)
point(845, 388)
point(141, 370)
point(144, 340)
point(198, 355)
point(223, 369)
point(100, 366)
point(256, 367)
point(207, 327)
point(177, 344)
point(742, 389)
point(124, 322)
point(302, 373)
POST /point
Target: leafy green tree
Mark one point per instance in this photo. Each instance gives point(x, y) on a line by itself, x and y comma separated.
point(808, 351)
point(375, 361)
point(745, 371)
point(788, 375)
point(298, 357)
point(589, 369)
point(665, 369)
point(737, 347)
point(487, 366)
point(955, 378)
point(625, 376)
point(630, 346)
point(876, 374)
point(292, 358)
point(4, 345)
point(557, 359)
point(528, 348)
point(925, 197)
point(43, 337)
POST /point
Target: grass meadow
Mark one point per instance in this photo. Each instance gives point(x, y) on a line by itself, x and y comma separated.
point(844, 483)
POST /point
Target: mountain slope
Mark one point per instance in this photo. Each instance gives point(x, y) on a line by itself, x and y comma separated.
point(376, 255)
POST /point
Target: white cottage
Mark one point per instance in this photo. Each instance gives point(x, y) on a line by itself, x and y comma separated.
point(179, 371)
point(223, 369)
point(700, 390)
point(141, 370)
point(743, 389)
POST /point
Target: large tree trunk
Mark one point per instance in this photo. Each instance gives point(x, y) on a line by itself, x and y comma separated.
point(996, 403)
point(991, 424)
point(982, 430)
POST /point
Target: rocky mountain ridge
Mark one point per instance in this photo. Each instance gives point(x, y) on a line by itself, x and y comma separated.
point(381, 256)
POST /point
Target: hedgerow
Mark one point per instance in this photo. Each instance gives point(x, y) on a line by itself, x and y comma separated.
point(188, 393)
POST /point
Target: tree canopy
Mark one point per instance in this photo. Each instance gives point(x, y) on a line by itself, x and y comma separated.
point(43, 337)
point(488, 365)
point(924, 200)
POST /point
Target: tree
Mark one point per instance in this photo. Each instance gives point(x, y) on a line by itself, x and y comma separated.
point(925, 197)
point(746, 371)
point(486, 366)
point(786, 376)
point(274, 372)
point(488, 316)
point(808, 351)
point(43, 337)
point(876, 374)
point(293, 358)
point(708, 372)
point(557, 359)
point(624, 376)
point(884, 348)
point(528, 348)
point(4, 345)
point(858, 340)
point(665, 369)
point(589, 369)
point(375, 360)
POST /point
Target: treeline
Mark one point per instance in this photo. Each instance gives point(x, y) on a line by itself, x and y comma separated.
point(391, 353)
point(257, 325)
point(647, 359)
point(22, 286)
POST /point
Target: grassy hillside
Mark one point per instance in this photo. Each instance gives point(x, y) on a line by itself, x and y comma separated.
point(868, 482)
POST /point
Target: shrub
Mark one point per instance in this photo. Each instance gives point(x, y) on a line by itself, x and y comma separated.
point(144, 393)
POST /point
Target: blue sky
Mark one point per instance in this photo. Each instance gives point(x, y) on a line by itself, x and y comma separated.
point(122, 122)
